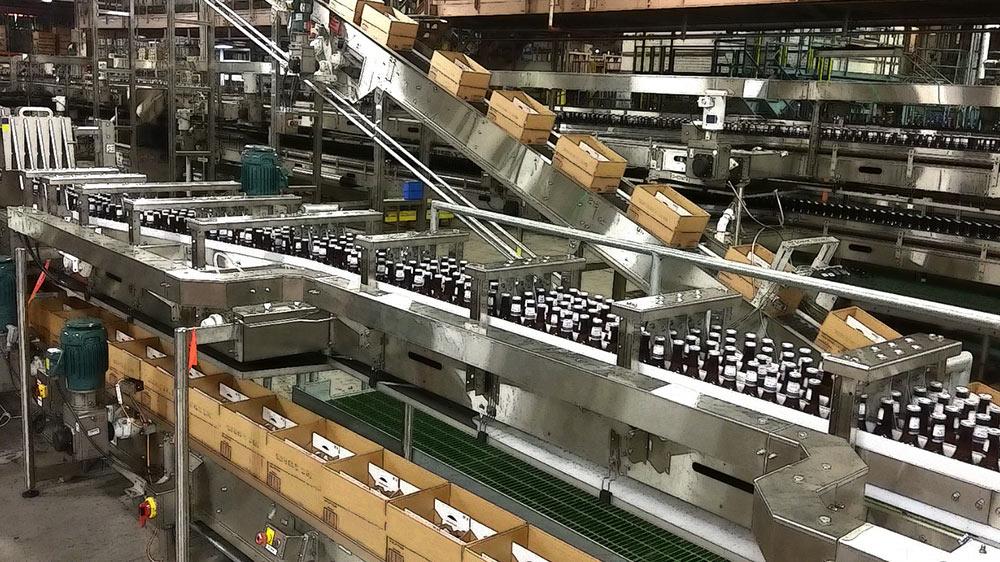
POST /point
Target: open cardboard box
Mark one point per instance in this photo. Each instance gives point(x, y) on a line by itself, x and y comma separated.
point(297, 459)
point(518, 545)
point(245, 422)
point(459, 74)
point(420, 523)
point(357, 7)
point(389, 26)
point(837, 334)
point(55, 314)
point(125, 358)
point(676, 222)
point(244, 425)
point(788, 297)
point(589, 162)
point(356, 501)
point(521, 116)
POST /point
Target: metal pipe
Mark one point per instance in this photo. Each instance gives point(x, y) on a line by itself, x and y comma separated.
point(407, 439)
point(94, 73)
point(983, 322)
point(21, 270)
point(182, 482)
point(171, 36)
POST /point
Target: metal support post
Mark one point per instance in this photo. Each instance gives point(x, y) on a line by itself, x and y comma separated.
point(182, 477)
point(628, 343)
point(814, 139)
point(842, 407)
point(172, 89)
point(275, 81)
point(317, 162)
point(213, 91)
point(407, 439)
point(376, 194)
point(94, 61)
point(656, 262)
point(133, 98)
point(424, 154)
point(21, 269)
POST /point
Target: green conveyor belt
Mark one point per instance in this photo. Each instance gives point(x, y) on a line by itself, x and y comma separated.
point(608, 526)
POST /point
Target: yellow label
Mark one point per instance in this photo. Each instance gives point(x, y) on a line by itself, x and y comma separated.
point(5, 128)
point(269, 533)
point(43, 390)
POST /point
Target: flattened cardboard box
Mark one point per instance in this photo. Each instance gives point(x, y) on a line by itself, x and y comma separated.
point(836, 336)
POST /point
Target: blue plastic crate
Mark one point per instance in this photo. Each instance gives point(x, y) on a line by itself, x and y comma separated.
point(413, 190)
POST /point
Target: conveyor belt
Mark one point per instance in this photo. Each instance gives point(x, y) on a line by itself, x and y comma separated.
point(611, 527)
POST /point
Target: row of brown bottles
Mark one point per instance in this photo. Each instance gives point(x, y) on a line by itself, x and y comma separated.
point(758, 367)
point(964, 426)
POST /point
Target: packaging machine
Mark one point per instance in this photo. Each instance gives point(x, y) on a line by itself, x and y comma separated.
point(737, 475)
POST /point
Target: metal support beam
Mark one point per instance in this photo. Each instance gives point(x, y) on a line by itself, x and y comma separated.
point(21, 270)
point(133, 99)
point(172, 89)
point(317, 155)
point(213, 92)
point(182, 482)
point(376, 194)
point(406, 441)
point(814, 138)
point(95, 73)
point(275, 80)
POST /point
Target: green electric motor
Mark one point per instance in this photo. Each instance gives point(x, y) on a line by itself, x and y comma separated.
point(8, 294)
point(261, 172)
point(84, 359)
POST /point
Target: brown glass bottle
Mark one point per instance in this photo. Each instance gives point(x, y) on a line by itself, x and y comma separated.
point(692, 367)
point(938, 429)
point(885, 420)
point(963, 449)
point(951, 414)
point(991, 460)
point(712, 366)
point(926, 407)
point(911, 430)
point(861, 420)
point(676, 356)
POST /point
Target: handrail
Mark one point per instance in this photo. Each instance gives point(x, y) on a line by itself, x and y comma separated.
point(982, 322)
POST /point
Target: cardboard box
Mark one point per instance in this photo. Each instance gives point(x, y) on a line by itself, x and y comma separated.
point(459, 74)
point(296, 470)
point(837, 336)
point(356, 8)
point(356, 504)
point(521, 116)
point(501, 547)
point(390, 27)
point(248, 459)
point(205, 397)
point(788, 297)
point(980, 388)
point(413, 523)
point(158, 375)
point(588, 162)
point(126, 358)
point(244, 423)
point(159, 404)
point(679, 223)
point(53, 313)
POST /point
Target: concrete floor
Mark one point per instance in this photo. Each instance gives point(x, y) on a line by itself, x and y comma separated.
point(80, 520)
